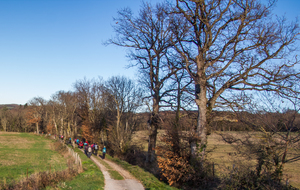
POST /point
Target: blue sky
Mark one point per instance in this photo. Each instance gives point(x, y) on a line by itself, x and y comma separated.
point(46, 45)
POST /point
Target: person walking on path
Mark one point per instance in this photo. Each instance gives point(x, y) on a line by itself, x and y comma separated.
point(104, 152)
point(89, 151)
point(80, 145)
point(93, 147)
point(96, 149)
point(85, 148)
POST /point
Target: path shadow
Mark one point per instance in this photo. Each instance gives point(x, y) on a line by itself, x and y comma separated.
point(101, 156)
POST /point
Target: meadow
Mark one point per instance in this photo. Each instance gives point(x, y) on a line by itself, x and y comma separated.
point(225, 157)
point(23, 154)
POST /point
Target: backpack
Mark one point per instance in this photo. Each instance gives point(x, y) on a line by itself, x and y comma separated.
point(104, 150)
point(89, 149)
point(96, 147)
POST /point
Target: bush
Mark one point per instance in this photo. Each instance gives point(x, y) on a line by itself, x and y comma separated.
point(175, 169)
point(243, 178)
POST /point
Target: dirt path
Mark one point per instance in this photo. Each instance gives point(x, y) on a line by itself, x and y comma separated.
point(129, 182)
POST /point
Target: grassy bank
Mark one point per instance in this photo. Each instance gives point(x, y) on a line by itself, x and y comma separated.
point(90, 179)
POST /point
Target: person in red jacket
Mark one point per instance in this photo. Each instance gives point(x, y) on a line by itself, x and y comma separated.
point(87, 143)
point(93, 147)
point(80, 145)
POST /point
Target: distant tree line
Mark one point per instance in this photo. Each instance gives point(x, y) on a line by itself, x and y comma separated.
point(94, 109)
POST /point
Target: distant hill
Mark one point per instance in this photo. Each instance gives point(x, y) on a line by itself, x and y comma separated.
point(9, 106)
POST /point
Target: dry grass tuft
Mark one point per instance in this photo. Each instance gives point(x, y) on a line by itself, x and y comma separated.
point(41, 180)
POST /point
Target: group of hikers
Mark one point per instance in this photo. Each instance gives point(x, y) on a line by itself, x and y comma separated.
point(90, 149)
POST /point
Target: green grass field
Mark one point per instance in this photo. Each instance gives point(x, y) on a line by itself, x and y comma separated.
point(22, 151)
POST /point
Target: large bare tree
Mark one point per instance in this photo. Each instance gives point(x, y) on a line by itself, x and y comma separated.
point(148, 38)
point(229, 45)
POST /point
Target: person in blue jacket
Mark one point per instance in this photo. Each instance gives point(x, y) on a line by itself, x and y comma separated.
point(104, 152)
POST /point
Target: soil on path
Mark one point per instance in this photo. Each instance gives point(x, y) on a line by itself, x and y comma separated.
point(129, 182)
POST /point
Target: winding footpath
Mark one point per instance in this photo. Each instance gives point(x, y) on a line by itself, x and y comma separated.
point(129, 182)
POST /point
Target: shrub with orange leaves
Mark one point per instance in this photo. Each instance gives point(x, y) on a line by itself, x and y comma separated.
point(50, 128)
point(86, 132)
point(175, 168)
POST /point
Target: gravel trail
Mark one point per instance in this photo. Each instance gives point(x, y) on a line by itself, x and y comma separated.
point(129, 182)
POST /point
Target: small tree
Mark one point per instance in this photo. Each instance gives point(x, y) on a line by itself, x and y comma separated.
point(4, 118)
point(35, 112)
point(126, 98)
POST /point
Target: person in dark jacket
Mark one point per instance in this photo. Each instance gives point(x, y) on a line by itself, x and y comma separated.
point(96, 149)
point(85, 148)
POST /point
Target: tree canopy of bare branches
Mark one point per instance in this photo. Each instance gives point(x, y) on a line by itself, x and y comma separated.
point(148, 39)
point(233, 45)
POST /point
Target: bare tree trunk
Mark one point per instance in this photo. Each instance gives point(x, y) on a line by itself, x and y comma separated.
point(154, 123)
point(75, 129)
point(126, 126)
point(55, 125)
point(37, 128)
point(118, 124)
point(198, 145)
point(3, 123)
point(69, 129)
point(175, 131)
point(4, 126)
point(62, 126)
